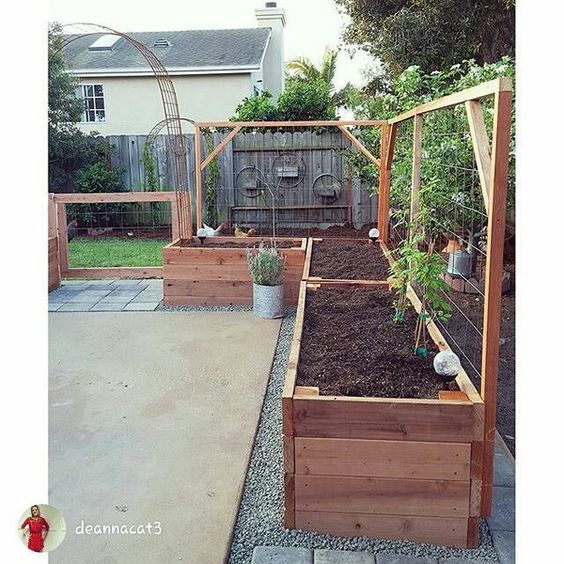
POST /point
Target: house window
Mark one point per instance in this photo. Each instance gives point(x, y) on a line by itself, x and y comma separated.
point(94, 106)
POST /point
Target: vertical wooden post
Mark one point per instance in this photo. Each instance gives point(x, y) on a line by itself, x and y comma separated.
point(198, 175)
point(494, 273)
point(63, 237)
point(175, 211)
point(416, 172)
point(384, 186)
point(52, 215)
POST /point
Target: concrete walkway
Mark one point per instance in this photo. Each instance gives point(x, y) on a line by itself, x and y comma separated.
point(152, 421)
point(107, 295)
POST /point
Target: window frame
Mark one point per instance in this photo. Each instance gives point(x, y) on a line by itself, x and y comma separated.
point(93, 97)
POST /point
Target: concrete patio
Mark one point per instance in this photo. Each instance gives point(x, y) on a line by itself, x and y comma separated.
point(152, 421)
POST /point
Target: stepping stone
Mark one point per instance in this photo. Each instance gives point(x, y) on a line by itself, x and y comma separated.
point(125, 292)
point(88, 296)
point(504, 544)
point(503, 509)
point(281, 555)
point(124, 300)
point(401, 559)
point(323, 556)
point(141, 306)
point(54, 306)
point(112, 306)
point(76, 306)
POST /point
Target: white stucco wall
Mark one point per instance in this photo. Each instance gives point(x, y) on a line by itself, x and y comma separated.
point(133, 104)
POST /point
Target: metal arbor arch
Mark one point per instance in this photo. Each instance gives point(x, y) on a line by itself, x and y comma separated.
point(168, 97)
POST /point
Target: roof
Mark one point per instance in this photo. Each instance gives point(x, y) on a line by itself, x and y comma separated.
point(190, 52)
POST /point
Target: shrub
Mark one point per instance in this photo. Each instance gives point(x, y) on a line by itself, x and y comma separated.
point(266, 265)
point(304, 100)
point(98, 178)
point(256, 108)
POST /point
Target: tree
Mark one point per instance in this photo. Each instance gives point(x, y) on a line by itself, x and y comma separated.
point(432, 34)
point(301, 99)
point(304, 68)
point(69, 148)
point(306, 100)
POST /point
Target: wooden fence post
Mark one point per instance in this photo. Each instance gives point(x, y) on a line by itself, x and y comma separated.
point(52, 215)
point(494, 272)
point(416, 172)
point(63, 237)
point(383, 186)
point(198, 175)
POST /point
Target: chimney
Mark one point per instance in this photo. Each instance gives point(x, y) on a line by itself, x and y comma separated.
point(273, 66)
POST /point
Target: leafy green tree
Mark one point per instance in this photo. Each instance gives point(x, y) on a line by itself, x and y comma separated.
point(432, 34)
point(304, 68)
point(256, 108)
point(69, 148)
point(306, 100)
point(301, 100)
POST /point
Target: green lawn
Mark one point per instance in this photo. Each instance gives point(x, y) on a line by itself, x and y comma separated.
point(111, 251)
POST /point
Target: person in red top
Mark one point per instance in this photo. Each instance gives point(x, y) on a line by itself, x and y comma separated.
point(38, 529)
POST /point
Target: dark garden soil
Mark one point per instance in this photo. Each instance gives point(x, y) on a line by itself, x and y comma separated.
point(457, 327)
point(348, 261)
point(352, 347)
point(215, 242)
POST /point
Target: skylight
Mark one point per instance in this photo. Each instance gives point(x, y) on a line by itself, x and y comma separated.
point(105, 43)
point(162, 43)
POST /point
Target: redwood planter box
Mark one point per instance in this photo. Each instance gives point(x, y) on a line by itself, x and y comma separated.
point(54, 271)
point(208, 275)
point(380, 467)
point(335, 278)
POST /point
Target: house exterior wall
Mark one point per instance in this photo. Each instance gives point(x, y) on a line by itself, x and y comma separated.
point(133, 104)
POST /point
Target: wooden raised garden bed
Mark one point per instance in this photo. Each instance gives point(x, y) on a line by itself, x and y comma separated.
point(216, 273)
point(54, 270)
point(382, 467)
point(360, 262)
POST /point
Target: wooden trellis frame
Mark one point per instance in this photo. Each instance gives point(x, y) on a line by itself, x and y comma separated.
point(492, 163)
point(236, 127)
point(181, 218)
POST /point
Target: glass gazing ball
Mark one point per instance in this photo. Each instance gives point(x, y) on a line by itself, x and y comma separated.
point(446, 363)
point(374, 233)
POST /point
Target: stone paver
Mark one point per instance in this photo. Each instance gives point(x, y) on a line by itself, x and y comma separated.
point(281, 555)
point(108, 306)
point(323, 556)
point(503, 509)
point(504, 543)
point(107, 295)
point(402, 559)
point(76, 306)
point(141, 306)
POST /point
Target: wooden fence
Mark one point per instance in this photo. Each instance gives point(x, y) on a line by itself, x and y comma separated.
point(180, 220)
point(323, 155)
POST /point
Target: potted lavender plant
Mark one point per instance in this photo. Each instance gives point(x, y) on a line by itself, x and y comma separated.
point(266, 265)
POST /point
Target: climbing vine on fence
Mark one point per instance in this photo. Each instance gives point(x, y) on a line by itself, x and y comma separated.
point(211, 184)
